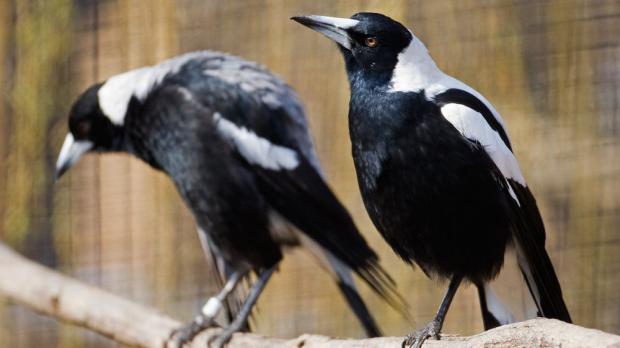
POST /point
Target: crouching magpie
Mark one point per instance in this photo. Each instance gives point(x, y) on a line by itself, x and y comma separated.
point(234, 140)
point(436, 169)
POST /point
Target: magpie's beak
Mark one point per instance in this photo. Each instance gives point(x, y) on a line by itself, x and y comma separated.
point(70, 152)
point(332, 27)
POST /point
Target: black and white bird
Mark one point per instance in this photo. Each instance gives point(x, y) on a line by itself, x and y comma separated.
point(234, 140)
point(436, 169)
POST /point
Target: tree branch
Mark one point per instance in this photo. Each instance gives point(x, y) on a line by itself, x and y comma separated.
point(61, 297)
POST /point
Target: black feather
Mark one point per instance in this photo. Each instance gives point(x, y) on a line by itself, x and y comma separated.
point(434, 195)
point(361, 311)
point(302, 197)
point(459, 96)
point(191, 117)
point(529, 235)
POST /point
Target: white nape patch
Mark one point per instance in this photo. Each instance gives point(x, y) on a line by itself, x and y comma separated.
point(212, 307)
point(499, 310)
point(254, 149)
point(116, 92)
point(416, 70)
point(473, 126)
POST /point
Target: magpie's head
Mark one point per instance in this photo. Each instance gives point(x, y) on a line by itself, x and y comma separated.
point(89, 130)
point(370, 42)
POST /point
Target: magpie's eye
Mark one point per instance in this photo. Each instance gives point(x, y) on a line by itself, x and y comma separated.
point(371, 41)
point(83, 129)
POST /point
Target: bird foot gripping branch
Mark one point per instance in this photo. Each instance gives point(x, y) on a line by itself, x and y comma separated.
point(417, 338)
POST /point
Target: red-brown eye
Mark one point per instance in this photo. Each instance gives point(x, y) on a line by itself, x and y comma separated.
point(371, 41)
point(83, 129)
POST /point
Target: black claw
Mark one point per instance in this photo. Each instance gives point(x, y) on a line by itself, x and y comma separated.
point(407, 341)
point(187, 332)
point(416, 339)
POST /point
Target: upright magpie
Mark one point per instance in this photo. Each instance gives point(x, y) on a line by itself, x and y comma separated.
point(436, 169)
point(234, 140)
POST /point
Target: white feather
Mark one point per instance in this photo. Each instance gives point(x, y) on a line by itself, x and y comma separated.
point(115, 94)
point(254, 149)
point(416, 71)
point(499, 310)
point(473, 126)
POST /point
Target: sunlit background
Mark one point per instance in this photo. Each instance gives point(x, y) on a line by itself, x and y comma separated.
point(552, 69)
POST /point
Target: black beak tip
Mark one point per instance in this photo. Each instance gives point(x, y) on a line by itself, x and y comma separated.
point(302, 20)
point(59, 172)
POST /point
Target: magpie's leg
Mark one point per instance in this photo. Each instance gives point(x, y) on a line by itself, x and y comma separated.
point(223, 337)
point(432, 329)
point(207, 315)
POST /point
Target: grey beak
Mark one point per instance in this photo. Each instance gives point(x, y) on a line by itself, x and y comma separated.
point(70, 152)
point(332, 27)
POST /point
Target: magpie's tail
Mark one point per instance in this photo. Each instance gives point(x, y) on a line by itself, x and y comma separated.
point(343, 275)
point(543, 284)
point(494, 312)
point(303, 198)
point(353, 298)
point(534, 262)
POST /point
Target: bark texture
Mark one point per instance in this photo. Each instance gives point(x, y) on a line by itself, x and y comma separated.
point(61, 297)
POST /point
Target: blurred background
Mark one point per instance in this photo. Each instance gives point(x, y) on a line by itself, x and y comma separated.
point(551, 68)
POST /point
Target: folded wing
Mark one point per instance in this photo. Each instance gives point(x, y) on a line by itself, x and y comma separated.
point(478, 124)
point(295, 188)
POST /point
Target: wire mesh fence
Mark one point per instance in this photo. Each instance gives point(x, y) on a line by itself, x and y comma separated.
point(552, 69)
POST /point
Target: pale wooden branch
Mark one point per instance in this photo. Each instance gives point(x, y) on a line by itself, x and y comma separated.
point(66, 299)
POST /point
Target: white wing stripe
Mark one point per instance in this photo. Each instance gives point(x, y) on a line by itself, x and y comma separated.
point(254, 149)
point(416, 71)
point(473, 126)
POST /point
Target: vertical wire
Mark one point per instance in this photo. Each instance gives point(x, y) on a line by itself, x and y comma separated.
point(97, 166)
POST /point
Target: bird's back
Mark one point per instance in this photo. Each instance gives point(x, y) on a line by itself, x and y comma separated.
point(248, 95)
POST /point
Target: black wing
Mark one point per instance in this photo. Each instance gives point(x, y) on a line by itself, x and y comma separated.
point(292, 185)
point(302, 197)
point(477, 124)
point(299, 194)
point(151, 140)
point(529, 234)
